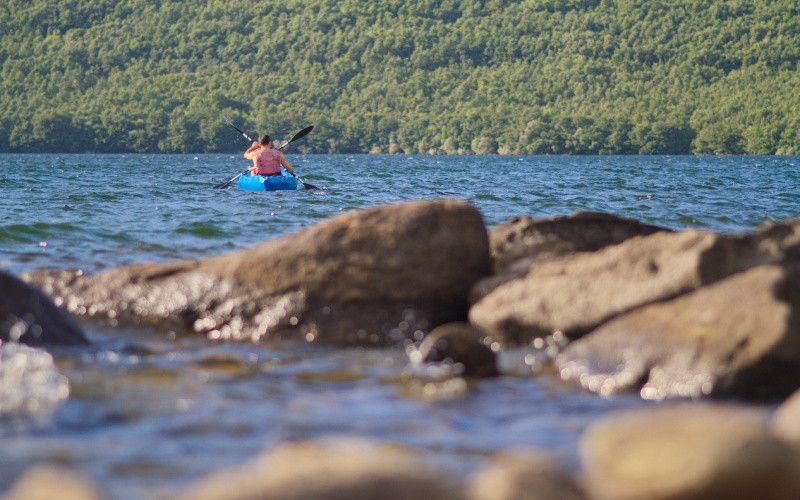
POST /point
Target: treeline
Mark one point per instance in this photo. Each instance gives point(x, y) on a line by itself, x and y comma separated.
point(424, 76)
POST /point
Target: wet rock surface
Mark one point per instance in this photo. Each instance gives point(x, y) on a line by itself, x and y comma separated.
point(577, 293)
point(740, 336)
point(30, 317)
point(372, 276)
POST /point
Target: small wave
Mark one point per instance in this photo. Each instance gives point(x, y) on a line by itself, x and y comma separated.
point(118, 236)
point(38, 231)
point(689, 220)
point(202, 229)
point(105, 196)
point(487, 197)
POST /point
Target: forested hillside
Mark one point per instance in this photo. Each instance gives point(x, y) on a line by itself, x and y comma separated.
point(414, 76)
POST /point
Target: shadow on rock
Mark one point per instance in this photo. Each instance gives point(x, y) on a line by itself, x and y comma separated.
point(30, 317)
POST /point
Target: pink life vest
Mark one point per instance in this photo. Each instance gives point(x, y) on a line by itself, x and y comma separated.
point(268, 161)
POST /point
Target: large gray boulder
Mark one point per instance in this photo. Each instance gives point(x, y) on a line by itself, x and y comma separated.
point(373, 276)
point(529, 239)
point(30, 317)
point(737, 337)
point(577, 293)
point(523, 242)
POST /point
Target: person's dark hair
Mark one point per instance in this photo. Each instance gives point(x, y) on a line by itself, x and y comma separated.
point(264, 139)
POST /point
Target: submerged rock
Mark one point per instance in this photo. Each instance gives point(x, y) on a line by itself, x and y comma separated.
point(689, 451)
point(30, 317)
point(462, 345)
point(575, 294)
point(739, 336)
point(372, 276)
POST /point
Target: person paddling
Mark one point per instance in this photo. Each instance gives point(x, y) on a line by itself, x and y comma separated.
point(266, 159)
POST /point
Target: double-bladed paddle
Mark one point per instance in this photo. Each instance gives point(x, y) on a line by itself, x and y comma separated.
point(296, 136)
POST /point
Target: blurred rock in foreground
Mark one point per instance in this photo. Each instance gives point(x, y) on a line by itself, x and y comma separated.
point(688, 451)
point(327, 471)
point(45, 482)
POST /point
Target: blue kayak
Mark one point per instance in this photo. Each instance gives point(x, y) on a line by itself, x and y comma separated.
point(285, 181)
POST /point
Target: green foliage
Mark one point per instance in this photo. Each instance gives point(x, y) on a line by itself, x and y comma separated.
point(426, 76)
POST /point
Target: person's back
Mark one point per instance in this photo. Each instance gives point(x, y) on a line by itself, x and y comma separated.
point(267, 161)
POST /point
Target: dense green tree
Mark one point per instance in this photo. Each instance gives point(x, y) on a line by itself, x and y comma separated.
point(423, 76)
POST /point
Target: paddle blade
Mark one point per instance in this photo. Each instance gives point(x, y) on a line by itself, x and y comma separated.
point(296, 136)
point(302, 133)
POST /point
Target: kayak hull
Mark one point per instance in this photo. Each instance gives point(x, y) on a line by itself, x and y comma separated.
point(283, 182)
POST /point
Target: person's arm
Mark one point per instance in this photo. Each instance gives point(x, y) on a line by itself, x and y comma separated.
point(249, 153)
point(286, 164)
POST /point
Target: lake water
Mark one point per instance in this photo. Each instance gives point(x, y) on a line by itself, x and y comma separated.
point(148, 411)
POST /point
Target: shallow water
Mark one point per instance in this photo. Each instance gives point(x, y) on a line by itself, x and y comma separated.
point(149, 411)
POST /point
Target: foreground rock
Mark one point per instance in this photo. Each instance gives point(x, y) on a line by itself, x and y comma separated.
point(519, 478)
point(45, 482)
point(786, 420)
point(30, 317)
point(320, 470)
point(575, 294)
point(688, 451)
point(372, 276)
point(740, 336)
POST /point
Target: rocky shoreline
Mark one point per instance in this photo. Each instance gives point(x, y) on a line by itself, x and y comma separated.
point(697, 320)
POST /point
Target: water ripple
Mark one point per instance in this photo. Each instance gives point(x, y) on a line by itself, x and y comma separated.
point(166, 203)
